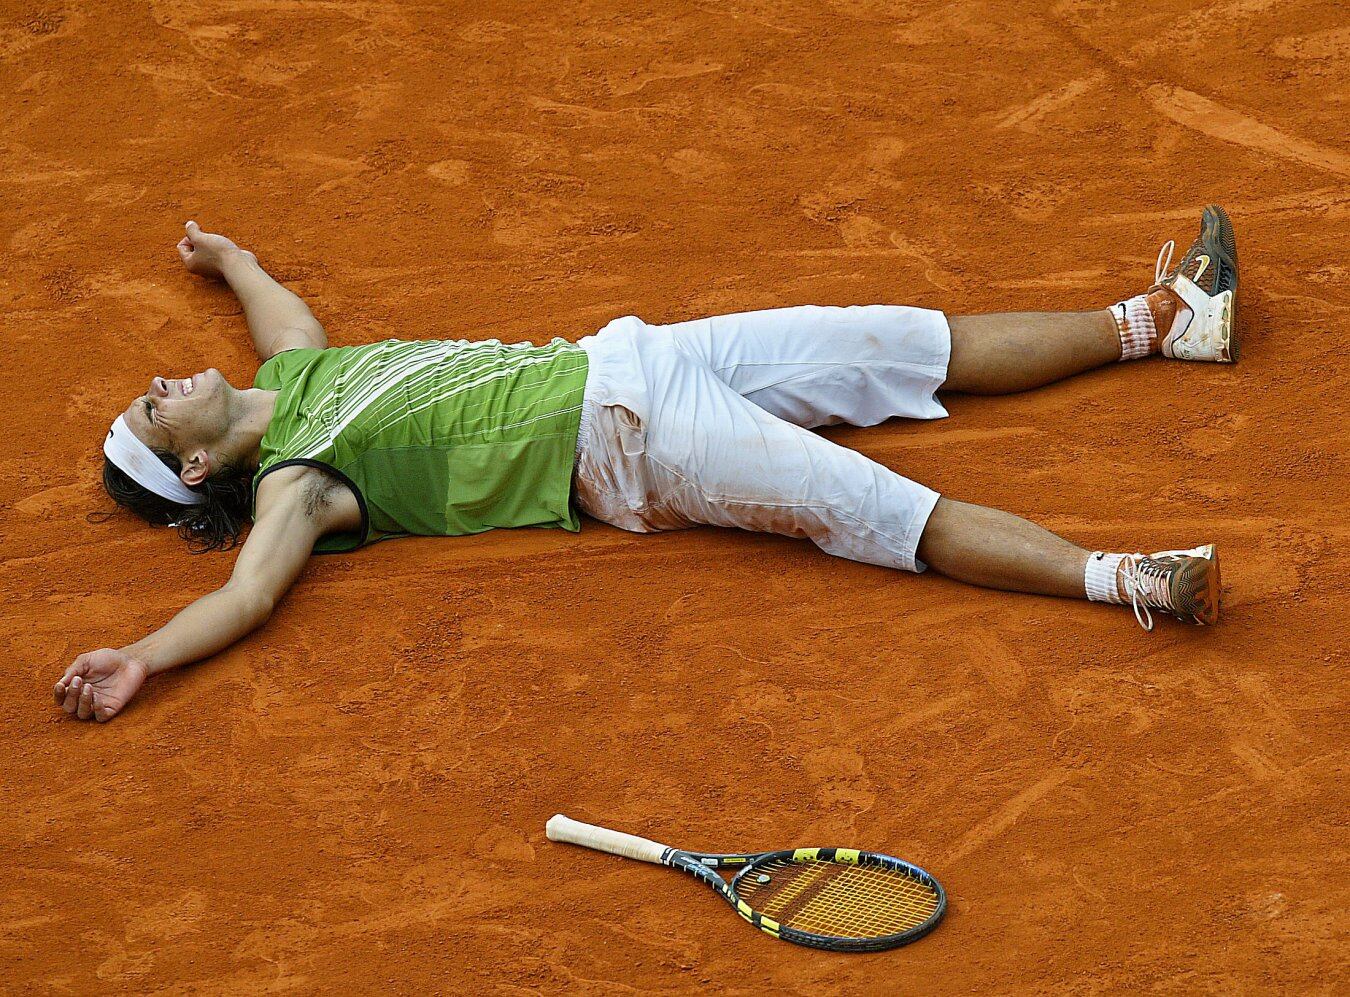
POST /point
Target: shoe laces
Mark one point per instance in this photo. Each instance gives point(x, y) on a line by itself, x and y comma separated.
point(1145, 582)
point(1164, 261)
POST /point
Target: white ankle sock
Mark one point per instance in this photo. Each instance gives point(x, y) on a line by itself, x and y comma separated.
point(1099, 578)
point(1134, 323)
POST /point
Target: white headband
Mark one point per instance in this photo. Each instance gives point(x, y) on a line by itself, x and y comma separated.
point(125, 449)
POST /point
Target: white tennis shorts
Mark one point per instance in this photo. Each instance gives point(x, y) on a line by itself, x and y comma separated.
point(707, 422)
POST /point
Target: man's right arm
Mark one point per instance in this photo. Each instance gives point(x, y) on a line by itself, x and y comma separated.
point(100, 683)
point(277, 318)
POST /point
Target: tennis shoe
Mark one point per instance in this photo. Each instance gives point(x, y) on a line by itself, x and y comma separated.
point(1206, 281)
point(1184, 583)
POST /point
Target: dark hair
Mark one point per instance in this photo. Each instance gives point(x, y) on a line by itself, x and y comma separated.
point(213, 525)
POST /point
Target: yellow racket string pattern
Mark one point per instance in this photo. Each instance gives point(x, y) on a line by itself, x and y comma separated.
point(838, 899)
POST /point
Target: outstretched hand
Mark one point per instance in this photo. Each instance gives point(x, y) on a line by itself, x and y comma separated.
point(203, 253)
point(100, 683)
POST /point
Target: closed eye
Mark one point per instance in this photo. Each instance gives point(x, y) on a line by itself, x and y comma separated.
point(149, 411)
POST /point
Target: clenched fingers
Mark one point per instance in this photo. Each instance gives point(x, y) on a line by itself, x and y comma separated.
point(63, 684)
point(85, 710)
point(70, 702)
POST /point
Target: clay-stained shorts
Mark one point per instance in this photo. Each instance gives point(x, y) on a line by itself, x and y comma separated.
point(707, 422)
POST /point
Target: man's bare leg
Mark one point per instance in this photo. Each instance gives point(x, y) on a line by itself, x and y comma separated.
point(1017, 351)
point(995, 549)
point(989, 547)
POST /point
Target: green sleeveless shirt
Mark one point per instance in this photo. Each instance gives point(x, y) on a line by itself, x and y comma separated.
point(434, 437)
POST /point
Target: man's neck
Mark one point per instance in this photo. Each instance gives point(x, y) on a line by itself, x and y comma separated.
point(252, 417)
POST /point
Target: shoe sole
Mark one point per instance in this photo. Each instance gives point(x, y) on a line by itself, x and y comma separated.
point(1220, 241)
point(1196, 587)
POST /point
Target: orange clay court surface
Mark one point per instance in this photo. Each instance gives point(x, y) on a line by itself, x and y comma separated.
point(354, 797)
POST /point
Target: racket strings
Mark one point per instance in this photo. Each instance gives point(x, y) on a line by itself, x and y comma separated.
point(866, 902)
point(841, 900)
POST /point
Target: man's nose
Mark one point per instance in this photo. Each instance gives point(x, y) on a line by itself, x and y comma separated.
point(158, 386)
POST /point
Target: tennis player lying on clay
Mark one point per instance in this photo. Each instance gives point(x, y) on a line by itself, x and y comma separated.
point(645, 427)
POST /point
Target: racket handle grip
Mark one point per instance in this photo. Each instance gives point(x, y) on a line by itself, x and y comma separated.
point(560, 828)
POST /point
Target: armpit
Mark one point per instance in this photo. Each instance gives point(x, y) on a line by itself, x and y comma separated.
point(318, 495)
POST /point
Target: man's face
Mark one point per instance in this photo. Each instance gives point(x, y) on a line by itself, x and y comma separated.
point(182, 416)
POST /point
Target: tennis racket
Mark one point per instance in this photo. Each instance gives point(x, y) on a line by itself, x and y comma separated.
point(840, 899)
